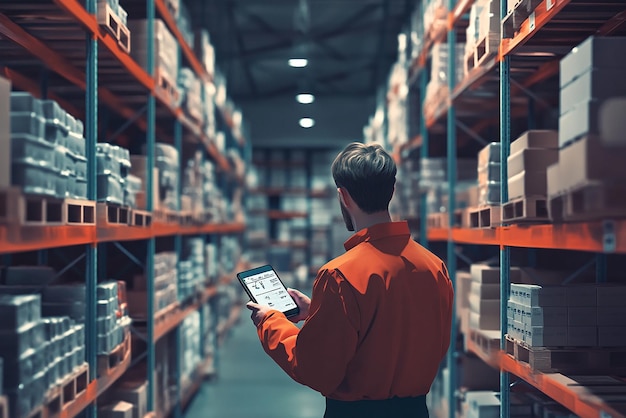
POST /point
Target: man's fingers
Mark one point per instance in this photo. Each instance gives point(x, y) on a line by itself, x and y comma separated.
point(252, 306)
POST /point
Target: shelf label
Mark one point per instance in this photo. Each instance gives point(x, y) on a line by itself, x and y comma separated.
point(531, 21)
point(609, 243)
point(550, 4)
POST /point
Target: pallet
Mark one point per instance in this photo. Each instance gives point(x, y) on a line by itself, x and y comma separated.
point(514, 18)
point(485, 217)
point(17, 208)
point(437, 220)
point(113, 24)
point(110, 214)
point(67, 391)
point(565, 359)
point(462, 218)
point(486, 48)
point(106, 364)
point(140, 218)
point(166, 86)
point(166, 216)
point(526, 209)
point(590, 201)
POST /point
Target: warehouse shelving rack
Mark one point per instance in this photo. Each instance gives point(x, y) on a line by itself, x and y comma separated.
point(56, 49)
point(491, 96)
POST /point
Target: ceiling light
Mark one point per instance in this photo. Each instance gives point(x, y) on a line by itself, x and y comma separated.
point(307, 123)
point(298, 62)
point(305, 98)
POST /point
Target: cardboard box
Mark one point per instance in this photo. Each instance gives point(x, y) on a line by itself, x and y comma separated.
point(538, 296)
point(484, 306)
point(586, 160)
point(489, 173)
point(533, 183)
point(484, 322)
point(489, 154)
point(554, 180)
point(584, 119)
point(462, 292)
point(582, 316)
point(582, 336)
point(117, 410)
point(483, 404)
point(594, 52)
point(596, 84)
point(549, 316)
point(5, 132)
point(486, 291)
point(531, 160)
point(135, 393)
point(546, 336)
point(612, 336)
point(613, 122)
point(610, 295)
point(581, 295)
point(483, 273)
point(138, 168)
point(537, 138)
point(611, 316)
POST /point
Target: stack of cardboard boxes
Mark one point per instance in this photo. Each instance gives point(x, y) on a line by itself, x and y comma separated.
point(591, 127)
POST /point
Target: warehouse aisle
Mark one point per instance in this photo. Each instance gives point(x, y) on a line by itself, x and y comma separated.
point(250, 384)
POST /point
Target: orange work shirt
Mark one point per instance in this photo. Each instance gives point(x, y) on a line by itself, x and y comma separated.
point(379, 321)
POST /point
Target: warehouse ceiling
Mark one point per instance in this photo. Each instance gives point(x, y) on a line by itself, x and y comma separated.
point(350, 44)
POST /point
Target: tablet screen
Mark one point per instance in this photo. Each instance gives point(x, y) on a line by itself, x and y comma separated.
point(267, 289)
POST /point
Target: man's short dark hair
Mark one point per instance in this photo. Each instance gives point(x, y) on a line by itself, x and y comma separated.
point(368, 173)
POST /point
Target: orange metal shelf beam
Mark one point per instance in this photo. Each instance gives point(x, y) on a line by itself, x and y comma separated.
point(525, 33)
point(580, 236)
point(187, 51)
point(15, 239)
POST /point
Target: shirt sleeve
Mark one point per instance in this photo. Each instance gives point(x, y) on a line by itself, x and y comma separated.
point(318, 354)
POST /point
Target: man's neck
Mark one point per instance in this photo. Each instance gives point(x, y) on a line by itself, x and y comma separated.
point(368, 220)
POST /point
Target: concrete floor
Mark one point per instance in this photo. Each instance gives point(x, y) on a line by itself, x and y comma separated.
point(250, 384)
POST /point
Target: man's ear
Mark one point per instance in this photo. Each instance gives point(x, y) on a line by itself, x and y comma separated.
point(344, 197)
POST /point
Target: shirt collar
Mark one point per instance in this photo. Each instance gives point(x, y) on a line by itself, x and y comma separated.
point(378, 231)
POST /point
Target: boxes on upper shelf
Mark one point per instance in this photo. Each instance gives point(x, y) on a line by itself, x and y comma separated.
point(590, 75)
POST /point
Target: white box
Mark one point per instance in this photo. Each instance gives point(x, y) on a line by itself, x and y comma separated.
point(483, 404)
point(531, 160)
point(489, 154)
point(596, 84)
point(483, 273)
point(610, 295)
point(528, 183)
point(611, 316)
point(536, 138)
point(484, 306)
point(463, 288)
point(549, 316)
point(5, 132)
point(117, 410)
point(484, 322)
point(538, 296)
point(581, 295)
point(582, 336)
point(582, 316)
point(486, 291)
point(546, 336)
point(594, 52)
point(582, 120)
point(612, 336)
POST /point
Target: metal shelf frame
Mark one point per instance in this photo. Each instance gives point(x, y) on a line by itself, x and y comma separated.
point(495, 77)
point(84, 81)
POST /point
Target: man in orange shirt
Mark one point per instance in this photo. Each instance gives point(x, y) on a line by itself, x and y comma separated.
point(378, 324)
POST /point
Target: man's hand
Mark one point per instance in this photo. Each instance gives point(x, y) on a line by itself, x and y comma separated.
point(303, 302)
point(258, 312)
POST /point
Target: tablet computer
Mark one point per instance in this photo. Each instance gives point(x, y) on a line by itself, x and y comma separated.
point(264, 287)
